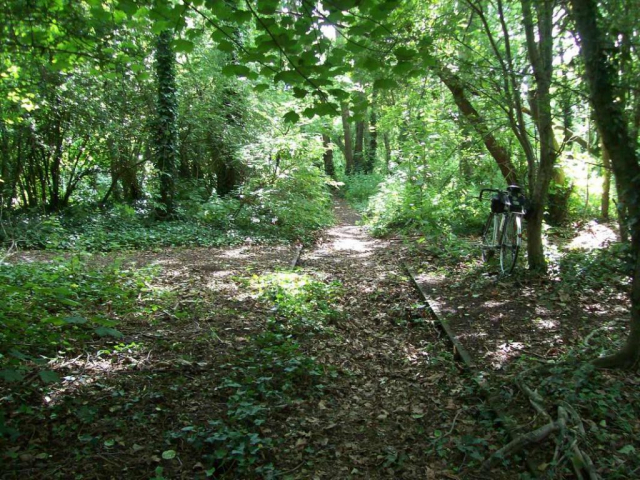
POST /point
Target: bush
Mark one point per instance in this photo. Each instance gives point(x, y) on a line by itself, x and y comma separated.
point(360, 187)
point(406, 204)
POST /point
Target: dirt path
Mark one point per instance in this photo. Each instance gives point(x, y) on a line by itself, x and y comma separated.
point(391, 399)
point(233, 366)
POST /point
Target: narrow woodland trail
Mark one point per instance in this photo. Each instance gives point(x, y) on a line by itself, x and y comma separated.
point(378, 418)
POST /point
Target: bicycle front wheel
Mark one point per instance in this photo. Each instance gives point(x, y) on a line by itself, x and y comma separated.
point(510, 243)
point(490, 237)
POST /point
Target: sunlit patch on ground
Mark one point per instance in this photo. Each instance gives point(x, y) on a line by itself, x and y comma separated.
point(546, 323)
point(504, 353)
point(593, 235)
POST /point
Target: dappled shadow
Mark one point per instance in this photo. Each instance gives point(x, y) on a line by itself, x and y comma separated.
point(383, 369)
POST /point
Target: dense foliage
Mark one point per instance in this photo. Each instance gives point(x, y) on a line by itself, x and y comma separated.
point(151, 127)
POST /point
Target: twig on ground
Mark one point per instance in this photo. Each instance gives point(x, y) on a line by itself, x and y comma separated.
point(521, 442)
point(535, 399)
point(281, 474)
point(453, 424)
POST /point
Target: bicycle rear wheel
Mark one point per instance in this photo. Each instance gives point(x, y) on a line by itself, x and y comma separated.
point(490, 237)
point(510, 243)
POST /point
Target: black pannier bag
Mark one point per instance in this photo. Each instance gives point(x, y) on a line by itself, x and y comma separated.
point(498, 203)
point(518, 204)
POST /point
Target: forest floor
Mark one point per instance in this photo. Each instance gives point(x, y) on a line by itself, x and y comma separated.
point(232, 364)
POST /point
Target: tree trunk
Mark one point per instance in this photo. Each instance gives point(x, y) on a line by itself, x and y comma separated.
point(348, 148)
point(372, 151)
point(540, 52)
point(166, 124)
point(327, 157)
point(358, 150)
point(387, 150)
point(602, 78)
point(606, 181)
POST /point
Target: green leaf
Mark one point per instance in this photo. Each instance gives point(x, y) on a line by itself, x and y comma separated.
point(108, 332)
point(339, 94)
point(299, 92)
point(288, 76)
point(261, 87)
point(169, 454)
point(404, 53)
point(371, 64)
point(237, 70)
point(69, 302)
point(267, 7)
point(48, 376)
point(385, 83)
point(309, 112)
point(327, 108)
point(181, 45)
point(226, 46)
point(241, 16)
point(75, 320)
point(291, 117)
point(627, 449)
point(11, 375)
point(402, 68)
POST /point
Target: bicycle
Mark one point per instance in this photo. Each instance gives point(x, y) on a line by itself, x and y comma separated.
point(503, 229)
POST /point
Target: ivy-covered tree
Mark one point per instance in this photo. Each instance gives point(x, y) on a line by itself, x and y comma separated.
point(166, 133)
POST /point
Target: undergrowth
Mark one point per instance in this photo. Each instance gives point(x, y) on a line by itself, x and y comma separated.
point(49, 308)
point(291, 206)
point(269, 372)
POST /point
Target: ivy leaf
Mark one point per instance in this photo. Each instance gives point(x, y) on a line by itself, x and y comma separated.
point(75, 320)
point(48, 376)
point(291, 117)
point(11, 375)
point(108, 332)
point(169, 454)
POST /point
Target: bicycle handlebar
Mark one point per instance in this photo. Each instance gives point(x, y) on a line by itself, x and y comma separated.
point(494, 190)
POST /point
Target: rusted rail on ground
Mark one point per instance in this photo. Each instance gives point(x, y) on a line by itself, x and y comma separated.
point(463, 354)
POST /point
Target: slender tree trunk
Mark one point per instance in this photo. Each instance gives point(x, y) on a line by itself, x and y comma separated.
point(606, 181)
point(372, 151)
point(166, 128)
point(348, 148)
point(387, 150)
point(601, 78)
point(327, 157)
point(358, 150)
